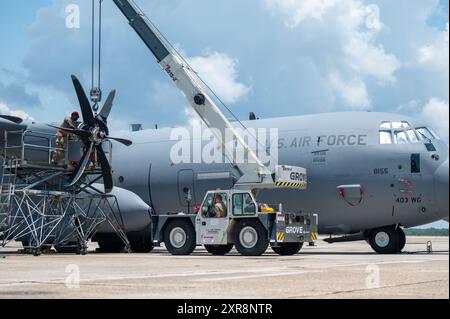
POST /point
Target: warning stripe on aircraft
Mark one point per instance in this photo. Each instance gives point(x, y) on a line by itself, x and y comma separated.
point(280, 236)
point(291, 184)
point(314, 236)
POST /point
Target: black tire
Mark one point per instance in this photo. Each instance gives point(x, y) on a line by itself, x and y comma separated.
point(402, 240)
point(288, 249)
point(179, 237)
point(385, 240)
point(69, 248)
point(219, 250)
point(142, 245)
point(257, 245)
point(110, 246)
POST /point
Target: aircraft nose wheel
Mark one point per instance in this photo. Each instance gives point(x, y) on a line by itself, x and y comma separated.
point(387, 240)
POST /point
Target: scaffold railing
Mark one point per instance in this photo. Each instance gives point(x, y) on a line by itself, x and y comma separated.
point(36, 208)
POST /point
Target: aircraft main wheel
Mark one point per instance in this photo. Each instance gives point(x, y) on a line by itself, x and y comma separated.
point(385, 240)
point(402, 240)
point(111, 246)
point(288, 249)
point(219, 250)
point(251, 238)
point(141, 245)
point(179, 237)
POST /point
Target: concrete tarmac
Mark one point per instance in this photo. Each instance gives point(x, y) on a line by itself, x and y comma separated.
point(340, 270)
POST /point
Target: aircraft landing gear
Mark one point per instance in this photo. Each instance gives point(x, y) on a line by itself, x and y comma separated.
point(387, 240)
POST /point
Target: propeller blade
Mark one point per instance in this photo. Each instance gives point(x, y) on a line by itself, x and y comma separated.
point(121, 140)
point(86, 111)
point(106, 109)
point(106, 169)
point(81, 166)
point(81, 133)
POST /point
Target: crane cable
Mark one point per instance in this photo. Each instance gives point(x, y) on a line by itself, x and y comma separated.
point(96, 93)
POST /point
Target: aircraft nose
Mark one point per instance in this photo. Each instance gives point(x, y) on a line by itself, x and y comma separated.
point(441, 189)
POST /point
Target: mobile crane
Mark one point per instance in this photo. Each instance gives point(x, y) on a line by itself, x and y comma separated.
point(241, 224)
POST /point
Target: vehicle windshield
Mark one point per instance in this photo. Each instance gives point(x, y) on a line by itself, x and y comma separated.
point(402, 132)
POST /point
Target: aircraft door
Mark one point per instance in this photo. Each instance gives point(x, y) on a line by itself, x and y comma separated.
point(212, 220)
point(186, 192)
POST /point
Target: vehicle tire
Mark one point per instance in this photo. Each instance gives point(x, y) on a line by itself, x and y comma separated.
point(385, 240)
point(402, 240)
point(288, 249)
point(219, 250)
point(69, 248)
point(110, 246)
point(179, 237)
point(250, 238)
point(141, 245)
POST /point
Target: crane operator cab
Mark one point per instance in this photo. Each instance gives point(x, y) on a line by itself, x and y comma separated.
point(230, 218)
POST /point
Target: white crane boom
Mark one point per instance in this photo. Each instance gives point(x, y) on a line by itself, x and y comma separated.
point(254, 174)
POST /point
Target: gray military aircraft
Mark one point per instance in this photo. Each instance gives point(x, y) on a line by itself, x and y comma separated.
point(369, 174)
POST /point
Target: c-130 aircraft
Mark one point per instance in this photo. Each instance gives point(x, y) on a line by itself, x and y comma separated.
point(369, 174)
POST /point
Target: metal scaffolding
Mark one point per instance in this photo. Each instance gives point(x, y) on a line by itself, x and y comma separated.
point(36, 208)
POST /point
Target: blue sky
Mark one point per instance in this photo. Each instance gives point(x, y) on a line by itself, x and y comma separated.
point(274, 57)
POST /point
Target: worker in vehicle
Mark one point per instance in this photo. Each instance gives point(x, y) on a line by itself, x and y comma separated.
point(62, 137)
point(219, 207)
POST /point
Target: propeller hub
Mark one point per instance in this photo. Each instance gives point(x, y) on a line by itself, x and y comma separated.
point(97, 136)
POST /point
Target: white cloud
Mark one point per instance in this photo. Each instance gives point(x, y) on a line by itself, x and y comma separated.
point(366, 58)
point(192, 117)
point(353, 93)
point(220, 72)
point(436, 55)
point(5, 110)
point(298, 11)
point(436, 111)
point(354, 28)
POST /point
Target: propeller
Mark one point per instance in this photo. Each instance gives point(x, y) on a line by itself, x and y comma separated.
point(93, 132)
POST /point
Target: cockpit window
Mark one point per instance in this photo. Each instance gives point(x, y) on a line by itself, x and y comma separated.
point(426, 133)
point(400, 125)
point(412, 136)
point(400, 132)
point(385, 137)
point(385, 126)
point(400, 137)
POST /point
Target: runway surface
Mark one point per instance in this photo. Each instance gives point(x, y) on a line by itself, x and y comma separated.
point(341, 270)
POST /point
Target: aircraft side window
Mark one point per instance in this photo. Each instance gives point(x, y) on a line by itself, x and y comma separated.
point(385, 137)
point(433, 132)
point(412, 136)
point(425, 134)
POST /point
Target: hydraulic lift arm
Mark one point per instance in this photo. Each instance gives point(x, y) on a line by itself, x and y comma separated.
point(254, 174)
